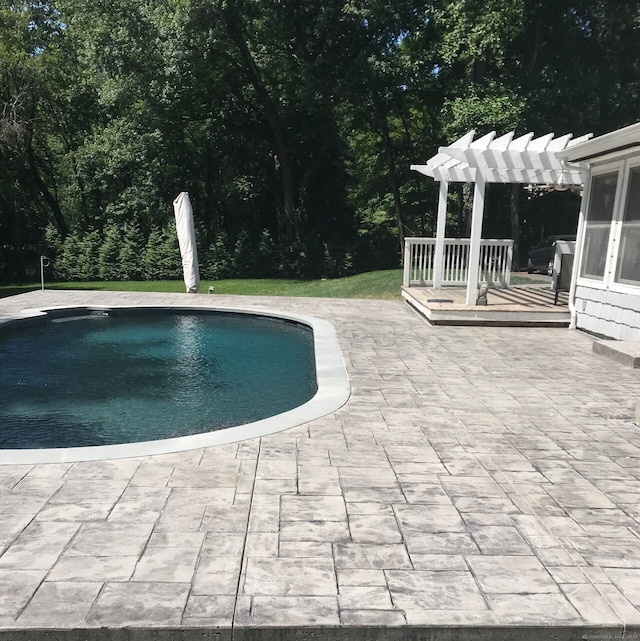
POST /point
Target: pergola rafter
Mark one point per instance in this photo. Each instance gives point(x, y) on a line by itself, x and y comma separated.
point(506, 160)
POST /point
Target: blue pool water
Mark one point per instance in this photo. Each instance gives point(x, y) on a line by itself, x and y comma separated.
point(107, 378)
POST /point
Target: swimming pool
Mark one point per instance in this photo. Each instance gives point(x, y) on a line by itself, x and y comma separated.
point(94, 378)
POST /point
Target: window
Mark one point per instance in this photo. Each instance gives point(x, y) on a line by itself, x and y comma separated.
point(628, 268)
point(598, 225)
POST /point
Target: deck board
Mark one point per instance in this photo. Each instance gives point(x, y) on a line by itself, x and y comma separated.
point(519, 305)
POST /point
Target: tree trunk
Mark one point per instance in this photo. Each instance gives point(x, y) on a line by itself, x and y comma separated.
point(395, 183)
point(461, 219)
point(46, 194)
point(209, 214)
point(284, 166)
point(466, 208)
point(515, 225)
point(16, 239)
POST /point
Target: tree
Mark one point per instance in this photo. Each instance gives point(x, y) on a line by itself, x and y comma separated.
point(130, 255)
point(28, 33)
point(108, 266)
point(161, 259)
point(291, 121)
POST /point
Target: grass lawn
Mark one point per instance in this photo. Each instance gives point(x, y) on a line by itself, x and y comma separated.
point(381, 285)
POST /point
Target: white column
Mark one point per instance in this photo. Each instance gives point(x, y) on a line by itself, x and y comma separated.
point(441, 230)
point(406, 263)
point(476, 236)
point(577, 258)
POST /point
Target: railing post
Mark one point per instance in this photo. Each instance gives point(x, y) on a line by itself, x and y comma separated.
point(406, 273)
point(507, 267)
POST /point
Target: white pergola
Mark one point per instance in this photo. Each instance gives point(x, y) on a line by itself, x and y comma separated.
point(488, 159)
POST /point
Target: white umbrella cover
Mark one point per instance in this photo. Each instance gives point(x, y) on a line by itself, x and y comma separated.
point(187, 241)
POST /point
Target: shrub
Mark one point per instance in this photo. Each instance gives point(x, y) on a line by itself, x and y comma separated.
point(109, 254)
point(131, 253)
point(88, 267)
point(66, 264)
point(217, 261)
point(161, 256)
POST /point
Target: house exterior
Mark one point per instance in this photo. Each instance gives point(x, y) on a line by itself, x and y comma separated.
point(605, 287)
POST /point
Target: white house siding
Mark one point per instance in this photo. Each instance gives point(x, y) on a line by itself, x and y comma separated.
point(611, 314)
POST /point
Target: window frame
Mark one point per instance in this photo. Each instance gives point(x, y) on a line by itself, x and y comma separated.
point(618, 227)
point(618, 167)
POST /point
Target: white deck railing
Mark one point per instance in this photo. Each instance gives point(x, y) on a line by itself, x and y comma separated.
point(419, 259)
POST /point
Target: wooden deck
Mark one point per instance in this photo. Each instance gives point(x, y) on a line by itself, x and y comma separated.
point(516, 306)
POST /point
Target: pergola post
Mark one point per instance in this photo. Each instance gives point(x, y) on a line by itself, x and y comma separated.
point(476, 236)
point(441, 230)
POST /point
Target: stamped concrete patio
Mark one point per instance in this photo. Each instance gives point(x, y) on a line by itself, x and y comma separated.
point(479, 483)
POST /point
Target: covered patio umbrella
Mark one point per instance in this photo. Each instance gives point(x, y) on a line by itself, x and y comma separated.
point(187, 240)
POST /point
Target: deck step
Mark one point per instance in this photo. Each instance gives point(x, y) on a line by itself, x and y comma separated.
point(516, 307)
point(624, 352)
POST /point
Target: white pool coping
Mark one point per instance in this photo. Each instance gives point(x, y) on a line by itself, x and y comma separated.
point(333, 392)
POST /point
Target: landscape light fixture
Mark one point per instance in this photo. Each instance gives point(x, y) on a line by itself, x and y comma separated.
point(561, 184)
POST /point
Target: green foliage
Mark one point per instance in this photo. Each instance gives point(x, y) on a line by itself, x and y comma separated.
point(217, 260)
point(170, 259)
point(130, 255)
point(64, 266)
point(268, 258)
point(88, 266)
point(152, 257)
point(301, 118)
point(52, 241)
point(161, 257)
point(486, 108)
point(244, 256)
point(108, 267)
point(78, 258)
point(480, 31)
